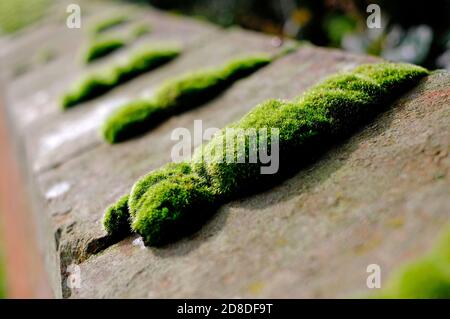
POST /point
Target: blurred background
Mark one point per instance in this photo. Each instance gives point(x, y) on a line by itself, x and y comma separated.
point(411, 31)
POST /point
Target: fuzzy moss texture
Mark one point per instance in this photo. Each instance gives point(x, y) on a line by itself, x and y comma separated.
point(177, 95)
point(143, 60)
point(102, 47)
point(175, 199)
point(425, 278)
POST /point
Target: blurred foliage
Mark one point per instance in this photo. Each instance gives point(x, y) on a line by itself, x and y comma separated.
point(412, 31)
point(17, 14)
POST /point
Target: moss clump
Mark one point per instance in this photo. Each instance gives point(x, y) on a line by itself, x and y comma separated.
point(307, 125)
point(115, 220)
point(177, 200)
point(108, 23)
point(166, 201)
point(177, 95)
point(96, 84)
point(103, 47)
point(426, 278)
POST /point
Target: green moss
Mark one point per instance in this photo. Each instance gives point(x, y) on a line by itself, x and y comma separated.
point(18, 14)
point(177, 95)
point(102, 47)
point(108, 23)
point(99, 83)
point(115, 220)
point(426, 278)
point(169, 203)
point(166, 202)
point(154, 177)
point(308, 125)
point(140, 30)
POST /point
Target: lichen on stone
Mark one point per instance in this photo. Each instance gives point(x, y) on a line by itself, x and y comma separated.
point(102, 47)
point(143, 60)
point(168, 201)
point(178, 95)
point(427, 277)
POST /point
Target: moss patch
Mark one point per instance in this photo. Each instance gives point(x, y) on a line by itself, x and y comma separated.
point(99, 83)
point(102, 47)
point(426, 278)
point(177, 95)
point(108, 23)
point(307, 125)
point(115, 220)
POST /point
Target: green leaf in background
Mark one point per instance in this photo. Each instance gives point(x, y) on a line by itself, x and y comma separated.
point(337, 26)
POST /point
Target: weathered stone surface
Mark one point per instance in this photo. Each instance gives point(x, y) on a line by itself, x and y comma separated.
point(380, 197)
point(82, 205)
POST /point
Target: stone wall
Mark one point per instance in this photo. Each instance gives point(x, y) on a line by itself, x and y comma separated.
point(378, 198)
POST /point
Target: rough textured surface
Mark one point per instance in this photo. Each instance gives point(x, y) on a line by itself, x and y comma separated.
point(380, 197)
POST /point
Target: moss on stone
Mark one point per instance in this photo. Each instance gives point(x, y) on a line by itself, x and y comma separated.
point(154, 177)
point(425, 278)
point(102, 47)
point(177, 95)
point(115, 220)
point(169, 203)
point(96, 84)
point(167, 200)
point(307, 125)
point(108, 23)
